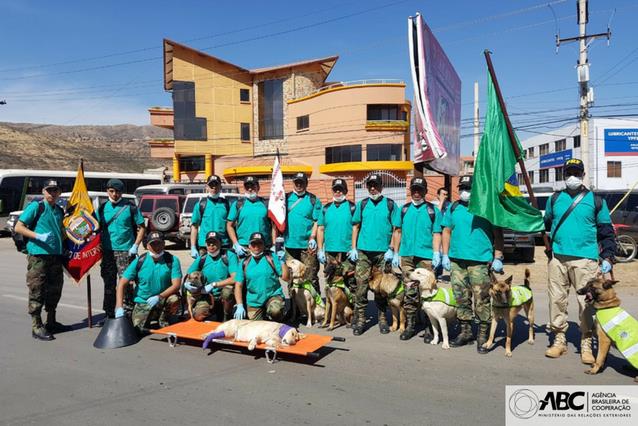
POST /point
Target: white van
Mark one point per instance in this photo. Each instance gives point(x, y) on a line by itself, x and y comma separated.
point(179, 189)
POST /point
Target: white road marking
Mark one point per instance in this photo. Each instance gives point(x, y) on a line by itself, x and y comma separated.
point(65, 305)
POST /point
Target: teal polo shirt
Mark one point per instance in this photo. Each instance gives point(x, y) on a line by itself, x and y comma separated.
point(215, 270)
point(252, 217)
point(377, 223)
point(154, 276)
point(50, 221)
point(300, 217)
point(417, 229)
point(119, 234)
point(336, 218)
point(472, 236)
point(260, 281)
point(213, 219)
point(577, 236)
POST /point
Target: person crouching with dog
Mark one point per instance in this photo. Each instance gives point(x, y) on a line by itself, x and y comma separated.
point(218, 267)
point(578, 222)
point(159, 277)
point(418, 248)
point(470, 243)
point(259, 273)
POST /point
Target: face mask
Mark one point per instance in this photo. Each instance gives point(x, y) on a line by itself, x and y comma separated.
point(252, 195)
point(157, 255)
point(339, 198)
point(375, 197)
point(418, 202)
point(573, 182)
point(299, 193)
point(213, 196)
point(465, 196)
point(215, 253)
point(258, 255)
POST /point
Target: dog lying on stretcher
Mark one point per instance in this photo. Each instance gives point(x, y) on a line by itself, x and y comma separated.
point(272, 334)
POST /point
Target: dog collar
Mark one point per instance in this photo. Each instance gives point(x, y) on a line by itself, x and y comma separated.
point(283, 330)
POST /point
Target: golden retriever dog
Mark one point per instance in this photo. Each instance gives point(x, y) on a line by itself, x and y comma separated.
point(305, 300)
point(272, 334)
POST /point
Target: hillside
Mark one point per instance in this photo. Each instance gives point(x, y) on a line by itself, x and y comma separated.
point(121, 148)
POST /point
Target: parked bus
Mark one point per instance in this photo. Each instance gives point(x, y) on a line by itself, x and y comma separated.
point(16, 185)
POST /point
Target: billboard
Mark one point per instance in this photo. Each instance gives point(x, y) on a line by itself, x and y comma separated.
point(555, 159)
point(621, 142)
point(437, 101)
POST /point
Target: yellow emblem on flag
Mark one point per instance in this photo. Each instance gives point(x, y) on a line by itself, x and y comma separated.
point(79, 222)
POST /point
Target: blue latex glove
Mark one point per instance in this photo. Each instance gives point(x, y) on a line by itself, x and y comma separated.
point(445, 261)
point(353, 255)
point(281, 255)
point(312, 244)
point(152, 301)
point(240, 312)
point(43, 237)
point(388, 255)
point(497, 265)
point(119, 312)
point(239, 250)
point(321, 256)
point(194, 252)
point(133, 250)
point(396, 260)
point(190, 287)
point(209, 287)
point(605, 267)
point(436, 259)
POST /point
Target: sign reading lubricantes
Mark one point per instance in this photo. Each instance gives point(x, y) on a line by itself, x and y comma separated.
point(621, 142)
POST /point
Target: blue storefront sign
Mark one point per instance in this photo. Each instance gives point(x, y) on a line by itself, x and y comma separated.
point(621, 141)
point(555, 159)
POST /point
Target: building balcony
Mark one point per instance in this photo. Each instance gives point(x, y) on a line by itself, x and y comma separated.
point(388, 125)
point(161, 117)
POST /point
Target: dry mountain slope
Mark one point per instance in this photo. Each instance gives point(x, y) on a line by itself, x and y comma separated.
point(121, 148)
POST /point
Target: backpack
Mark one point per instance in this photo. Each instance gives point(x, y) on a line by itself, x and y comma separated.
point(18, 239)
point(268, 258)
point(313, 199)
point(204, 201)
point(390, 202)
point(168, 259)
point(453, 206)
point(104, 225)
point(240, 203)
point(428, 206)
point(353, 207)
point(202, 260)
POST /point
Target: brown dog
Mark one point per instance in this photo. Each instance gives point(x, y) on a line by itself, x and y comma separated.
point(600, 293)
point(305, 301)
point(507, 302)
point(387, 285)
point(338, 298)
point(197, 280)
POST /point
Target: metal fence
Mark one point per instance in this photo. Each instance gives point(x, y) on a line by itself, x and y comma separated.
point(393, 187)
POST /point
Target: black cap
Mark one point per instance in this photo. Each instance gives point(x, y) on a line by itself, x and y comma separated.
point(154, 236)
point(213, 180)
point(465, 182)
point(418, 182)
point(340, 183)
point(376, 179)
point(51, 183)
point(116, 184)
point(256, 236)
point(574, 164)
point(213, 236)
point(301, 176)
point(250, 180)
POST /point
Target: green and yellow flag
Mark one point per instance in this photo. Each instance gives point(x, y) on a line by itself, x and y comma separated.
point(495, 193)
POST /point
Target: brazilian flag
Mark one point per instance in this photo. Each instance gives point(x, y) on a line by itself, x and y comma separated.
point(495, 193)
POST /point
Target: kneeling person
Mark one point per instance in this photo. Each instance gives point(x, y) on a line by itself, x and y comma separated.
point(218, 267)
point(260, 274)
point(158, 275)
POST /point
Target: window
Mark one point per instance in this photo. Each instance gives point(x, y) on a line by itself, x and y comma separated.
point(531, 176)
point(343, 154)
point(520, 178)
point(191, 164)
point(11, 194)
point(383, 152)
point(543, 149)
point(271, 109)
point(560, 145)
point(244, 95)
point(614, 169)
point(577, 141)
point(386, 112)
point(171, 203)
point(558, 174)
point(146, 206)
point(245, 132)
point(186, 126)
point(543, 176)
point(530, 152)
point(303, 122)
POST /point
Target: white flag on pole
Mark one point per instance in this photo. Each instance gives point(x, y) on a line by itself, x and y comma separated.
point(277, 202)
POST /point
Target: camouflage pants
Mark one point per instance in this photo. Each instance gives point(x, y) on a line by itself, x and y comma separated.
point(362, 272)
point(412, 296)
point(471, 278)
point(312, 265)
point(114, 262)
point(274, 308)
point(143, 314)
point(346, 268)
point(206, 304)
point(44, 280)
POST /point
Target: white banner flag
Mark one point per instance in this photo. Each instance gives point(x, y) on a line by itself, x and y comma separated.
point(277, 202)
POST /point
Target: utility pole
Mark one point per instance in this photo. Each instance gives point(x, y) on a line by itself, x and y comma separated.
point(586, 94)
point(476, 120)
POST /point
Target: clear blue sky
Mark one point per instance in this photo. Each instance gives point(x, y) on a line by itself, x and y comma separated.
point(83, 62)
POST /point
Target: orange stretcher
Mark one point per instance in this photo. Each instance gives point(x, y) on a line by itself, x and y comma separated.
point(194, 330)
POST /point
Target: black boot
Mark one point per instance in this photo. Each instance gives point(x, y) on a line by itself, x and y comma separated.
point(53, 326)
point(383, 322)
point(38, 331)
point(427, 334)
point(481, 338)
point(410, 328)
point(358, 322)
point(465, 336)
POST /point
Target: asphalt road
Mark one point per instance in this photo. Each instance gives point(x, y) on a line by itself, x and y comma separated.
point(372, 379)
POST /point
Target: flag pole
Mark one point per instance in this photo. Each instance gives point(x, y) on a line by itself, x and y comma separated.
point(512, 137)
point(89, 317)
